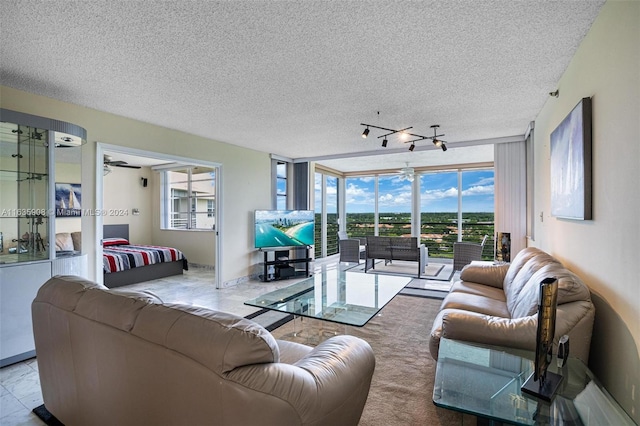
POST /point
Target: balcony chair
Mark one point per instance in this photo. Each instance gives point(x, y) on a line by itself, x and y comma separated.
point(351, 249)
point(464, 253)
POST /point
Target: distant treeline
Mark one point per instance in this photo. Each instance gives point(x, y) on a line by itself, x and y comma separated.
point(438, 230)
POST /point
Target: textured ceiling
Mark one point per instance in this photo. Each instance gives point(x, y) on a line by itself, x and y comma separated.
point(297, 78)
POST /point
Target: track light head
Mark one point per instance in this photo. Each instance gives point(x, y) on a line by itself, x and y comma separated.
point(437, 143)
point(365, 133)
point(412, 147)
point(444, 147)
point(384, 142)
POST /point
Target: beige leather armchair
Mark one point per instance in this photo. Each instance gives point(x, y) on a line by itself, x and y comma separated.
point(128, 359)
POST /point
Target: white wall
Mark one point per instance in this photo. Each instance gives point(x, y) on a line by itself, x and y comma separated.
point(122, 192)
point(245, 187)
point(603, 251)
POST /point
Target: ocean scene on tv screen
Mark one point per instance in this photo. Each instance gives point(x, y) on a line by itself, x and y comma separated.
point(284, 228)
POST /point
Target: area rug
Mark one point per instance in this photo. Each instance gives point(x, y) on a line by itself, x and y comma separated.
point(402, 386)
point(433, 271)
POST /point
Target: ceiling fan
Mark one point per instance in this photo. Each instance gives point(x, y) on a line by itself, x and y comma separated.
point(109, 161)
point(407, 173)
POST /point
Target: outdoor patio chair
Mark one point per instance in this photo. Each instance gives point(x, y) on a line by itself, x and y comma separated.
point(351, 249)
point(464, 253)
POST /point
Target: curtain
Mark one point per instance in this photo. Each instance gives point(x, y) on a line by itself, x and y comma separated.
point(511, 193)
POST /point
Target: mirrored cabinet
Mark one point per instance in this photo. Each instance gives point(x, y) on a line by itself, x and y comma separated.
point(40, 205)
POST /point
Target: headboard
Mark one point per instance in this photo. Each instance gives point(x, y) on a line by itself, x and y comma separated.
point(116, 231)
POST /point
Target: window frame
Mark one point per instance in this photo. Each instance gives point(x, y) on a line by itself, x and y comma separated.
point(167, 200)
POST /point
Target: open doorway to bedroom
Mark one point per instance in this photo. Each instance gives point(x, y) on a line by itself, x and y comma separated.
point(164, 200)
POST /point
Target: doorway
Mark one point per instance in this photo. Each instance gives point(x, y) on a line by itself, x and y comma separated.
point(141, 172)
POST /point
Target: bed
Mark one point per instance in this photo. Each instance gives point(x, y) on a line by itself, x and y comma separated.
point(125, 263)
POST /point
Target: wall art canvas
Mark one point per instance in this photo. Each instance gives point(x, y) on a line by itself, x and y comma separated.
point(571, 164)
point(68, 199)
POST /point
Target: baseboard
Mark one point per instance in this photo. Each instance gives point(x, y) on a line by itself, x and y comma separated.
point(17, 358)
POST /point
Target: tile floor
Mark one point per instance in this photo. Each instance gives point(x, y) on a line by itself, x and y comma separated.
point(20, 384)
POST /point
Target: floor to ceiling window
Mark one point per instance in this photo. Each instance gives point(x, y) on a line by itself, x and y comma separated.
point(439, 212)
point(456, 206)
point(394, 205)
point(360, 206)
point(478, 208)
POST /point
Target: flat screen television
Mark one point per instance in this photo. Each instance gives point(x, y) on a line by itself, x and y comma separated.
point(284, 228)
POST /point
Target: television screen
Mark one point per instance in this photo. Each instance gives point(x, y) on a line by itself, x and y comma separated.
point(284, 228)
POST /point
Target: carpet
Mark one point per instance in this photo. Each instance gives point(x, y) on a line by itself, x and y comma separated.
point(402, 386)
point(433, 271)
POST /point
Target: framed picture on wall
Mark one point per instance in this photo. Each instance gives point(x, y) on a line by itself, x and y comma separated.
point(571, 164)
point(68, 199)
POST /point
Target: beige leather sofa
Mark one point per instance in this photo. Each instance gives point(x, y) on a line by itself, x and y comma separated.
point(128, 359)
point(498, 305)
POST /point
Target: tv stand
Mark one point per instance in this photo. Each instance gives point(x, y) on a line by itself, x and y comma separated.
point(281, 266)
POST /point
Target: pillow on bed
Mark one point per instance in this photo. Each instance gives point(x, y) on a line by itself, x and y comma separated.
point(114, 242)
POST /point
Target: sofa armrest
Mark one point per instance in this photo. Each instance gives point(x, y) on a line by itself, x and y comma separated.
point(473, 327)
point(328, 385)
point(492, 275)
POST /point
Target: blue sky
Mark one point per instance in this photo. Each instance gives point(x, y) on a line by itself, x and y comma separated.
point(438, 193)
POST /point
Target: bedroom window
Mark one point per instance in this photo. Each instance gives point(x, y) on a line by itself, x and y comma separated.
point(189, 198)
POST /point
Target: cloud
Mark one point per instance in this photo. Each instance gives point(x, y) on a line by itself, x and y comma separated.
point(485, 181)
point(478, 190)
point(394, 200)
point(441, 194)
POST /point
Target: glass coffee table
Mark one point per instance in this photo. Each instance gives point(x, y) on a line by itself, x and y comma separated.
point(344, 297)
point(485, 381)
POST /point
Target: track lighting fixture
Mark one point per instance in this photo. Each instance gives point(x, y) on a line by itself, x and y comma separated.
point(438, 142)
point(403, 134)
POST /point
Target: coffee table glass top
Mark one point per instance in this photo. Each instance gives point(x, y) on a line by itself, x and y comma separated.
point(344, 297)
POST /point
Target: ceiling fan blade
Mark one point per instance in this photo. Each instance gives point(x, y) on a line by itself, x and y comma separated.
point(125, 165)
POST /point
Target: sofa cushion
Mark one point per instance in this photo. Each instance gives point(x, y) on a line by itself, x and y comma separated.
point(196, 332)
point(200, 333)
point(475, 303)
point(525, 303)
point(492, 275)
point(479, 289)
point(112, 308)
point(527, 263)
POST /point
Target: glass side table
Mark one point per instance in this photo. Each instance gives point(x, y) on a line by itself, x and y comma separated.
point(485, 381)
